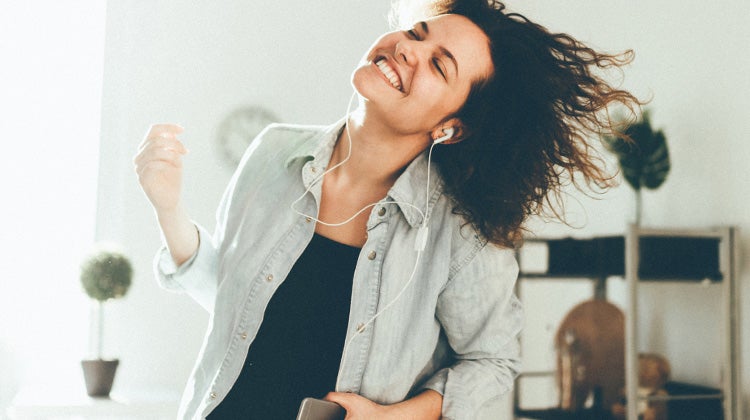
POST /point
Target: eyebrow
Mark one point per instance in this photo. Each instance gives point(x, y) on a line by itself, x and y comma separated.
point(442, 49)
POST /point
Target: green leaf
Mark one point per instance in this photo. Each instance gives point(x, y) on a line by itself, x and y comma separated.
point(644, 160)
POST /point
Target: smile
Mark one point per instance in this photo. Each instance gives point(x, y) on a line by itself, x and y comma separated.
point(388, 72)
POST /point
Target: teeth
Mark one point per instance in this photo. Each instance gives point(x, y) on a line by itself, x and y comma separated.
point(389, 73)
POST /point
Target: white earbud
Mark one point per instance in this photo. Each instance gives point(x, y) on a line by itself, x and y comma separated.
point(448, 133)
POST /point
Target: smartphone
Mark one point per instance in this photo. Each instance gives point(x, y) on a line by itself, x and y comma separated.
point(315, 409)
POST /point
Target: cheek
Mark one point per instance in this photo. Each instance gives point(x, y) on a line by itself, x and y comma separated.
point(453, 100)
point(386, 41)
point(441, 103)
point(359, 80)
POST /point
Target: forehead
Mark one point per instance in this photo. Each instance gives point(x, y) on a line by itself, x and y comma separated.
point(466, 41)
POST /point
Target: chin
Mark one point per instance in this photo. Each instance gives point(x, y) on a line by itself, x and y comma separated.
point(362, 83)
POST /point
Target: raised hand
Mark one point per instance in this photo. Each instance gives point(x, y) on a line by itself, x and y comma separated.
point(158, 164)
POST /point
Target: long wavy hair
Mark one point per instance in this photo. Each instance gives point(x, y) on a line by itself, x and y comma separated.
point(530, 127)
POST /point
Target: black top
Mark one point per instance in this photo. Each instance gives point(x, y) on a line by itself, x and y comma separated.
point(298, 349)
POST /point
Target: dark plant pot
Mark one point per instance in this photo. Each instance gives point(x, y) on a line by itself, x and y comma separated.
point(99, 375)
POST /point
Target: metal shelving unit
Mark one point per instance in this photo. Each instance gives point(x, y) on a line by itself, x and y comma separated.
point(728, 266)
point(635, 245)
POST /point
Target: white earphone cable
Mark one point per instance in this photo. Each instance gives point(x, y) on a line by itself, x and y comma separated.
point(418, 246)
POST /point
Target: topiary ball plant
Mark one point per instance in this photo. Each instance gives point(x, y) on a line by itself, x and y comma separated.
point(105, 274)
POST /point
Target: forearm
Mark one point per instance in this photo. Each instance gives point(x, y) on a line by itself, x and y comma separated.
point(427, 405)
point(179, 233)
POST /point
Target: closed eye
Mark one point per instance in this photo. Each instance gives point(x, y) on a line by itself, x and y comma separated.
point(436, 63)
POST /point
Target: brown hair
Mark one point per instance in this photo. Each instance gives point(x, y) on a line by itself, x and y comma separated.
point(529, 127)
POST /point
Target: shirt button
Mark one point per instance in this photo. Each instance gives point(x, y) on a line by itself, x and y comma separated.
point(360, 327)
point(269, 277)
point(313, 169)
point(308, 219)
point(212, 396)
point(381, 212)
point(372, 255)
point(243, 336)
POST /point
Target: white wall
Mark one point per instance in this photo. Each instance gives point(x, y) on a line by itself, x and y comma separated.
point(192, 63)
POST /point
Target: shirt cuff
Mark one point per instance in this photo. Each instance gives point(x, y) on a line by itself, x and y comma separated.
point(452, 408)
point(437, 381)
point(165, 268)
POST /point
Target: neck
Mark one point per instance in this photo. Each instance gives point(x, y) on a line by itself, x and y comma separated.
point(379, 154)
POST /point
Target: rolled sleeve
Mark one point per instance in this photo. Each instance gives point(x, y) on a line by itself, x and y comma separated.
point(196, 276)
point(482, 320)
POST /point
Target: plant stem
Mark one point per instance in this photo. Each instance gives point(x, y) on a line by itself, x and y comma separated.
point(100, 330)
point(638, 207)
point(92, 328)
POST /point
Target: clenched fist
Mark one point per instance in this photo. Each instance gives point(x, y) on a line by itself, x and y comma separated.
point(158, 164)
point(159, 168)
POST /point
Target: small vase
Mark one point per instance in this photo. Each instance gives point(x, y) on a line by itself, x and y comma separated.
point(99, 375)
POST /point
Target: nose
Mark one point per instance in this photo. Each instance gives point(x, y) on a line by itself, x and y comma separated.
point(411, 52)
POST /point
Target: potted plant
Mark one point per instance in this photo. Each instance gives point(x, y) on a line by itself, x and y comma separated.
point(643, 157)
point(105, 274)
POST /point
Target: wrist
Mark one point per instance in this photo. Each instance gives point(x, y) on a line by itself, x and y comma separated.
point(179, 233)
point(174, 213)
point(427, 405)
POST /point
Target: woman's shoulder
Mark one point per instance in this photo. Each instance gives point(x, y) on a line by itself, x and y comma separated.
point(294, 129)
point(465, 243)
point(293, 132)
point(476, 258)
point(284, 141)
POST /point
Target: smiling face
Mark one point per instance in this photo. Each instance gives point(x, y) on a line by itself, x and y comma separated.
point(414, 80)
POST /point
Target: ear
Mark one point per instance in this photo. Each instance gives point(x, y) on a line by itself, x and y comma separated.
point(440, 131)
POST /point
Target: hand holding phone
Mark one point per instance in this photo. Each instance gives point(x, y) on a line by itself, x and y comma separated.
point(315, 409)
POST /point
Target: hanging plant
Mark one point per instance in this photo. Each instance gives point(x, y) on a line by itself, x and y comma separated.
point(643, 157)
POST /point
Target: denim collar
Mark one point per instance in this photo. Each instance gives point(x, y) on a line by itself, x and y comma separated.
point(408, 188)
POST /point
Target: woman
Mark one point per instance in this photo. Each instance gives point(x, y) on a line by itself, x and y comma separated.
point(344, 261)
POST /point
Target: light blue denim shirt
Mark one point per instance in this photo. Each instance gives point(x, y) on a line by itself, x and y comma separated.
point(454, 330)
